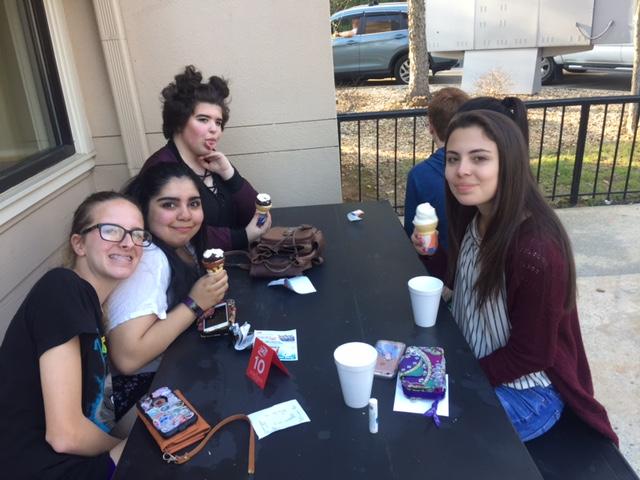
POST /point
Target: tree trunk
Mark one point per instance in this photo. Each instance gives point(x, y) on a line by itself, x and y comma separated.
point(418, 92)
point(632, 116)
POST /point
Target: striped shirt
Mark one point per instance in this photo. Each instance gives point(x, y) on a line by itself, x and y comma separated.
point(486, 328)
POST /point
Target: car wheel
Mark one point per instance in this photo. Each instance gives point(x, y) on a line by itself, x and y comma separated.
point(549, 71)
point(432, 66)
point(401, 70)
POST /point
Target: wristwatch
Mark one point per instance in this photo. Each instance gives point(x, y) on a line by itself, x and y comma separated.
point(193, 306)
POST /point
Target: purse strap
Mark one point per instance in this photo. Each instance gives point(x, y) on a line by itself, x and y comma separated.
point(185, 457)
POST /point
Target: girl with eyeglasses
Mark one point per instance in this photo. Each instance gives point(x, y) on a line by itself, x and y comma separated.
point(55, 402)
point(168, 290)
point(194, 114)
point(512, 269)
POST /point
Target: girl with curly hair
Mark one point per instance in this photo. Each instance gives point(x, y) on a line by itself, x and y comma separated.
point(194, 116)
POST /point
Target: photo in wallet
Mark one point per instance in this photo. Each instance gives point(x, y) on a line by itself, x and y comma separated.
point(166, 412)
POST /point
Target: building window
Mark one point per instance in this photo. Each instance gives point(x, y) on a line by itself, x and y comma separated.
point(34, 128)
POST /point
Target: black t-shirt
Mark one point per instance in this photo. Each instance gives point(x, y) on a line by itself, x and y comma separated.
point(60, 307)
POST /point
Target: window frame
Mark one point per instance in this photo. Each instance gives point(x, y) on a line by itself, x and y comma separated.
point(31, 165)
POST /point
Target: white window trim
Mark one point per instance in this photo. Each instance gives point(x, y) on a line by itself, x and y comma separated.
point(27, 194)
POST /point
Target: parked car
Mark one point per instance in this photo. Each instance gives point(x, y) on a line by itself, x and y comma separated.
point(610, 57)
point(372, 41)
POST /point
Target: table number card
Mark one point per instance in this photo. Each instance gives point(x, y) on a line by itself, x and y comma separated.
point(262, 356)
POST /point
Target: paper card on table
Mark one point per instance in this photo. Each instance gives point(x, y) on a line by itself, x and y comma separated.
point(402, 403)
point(262, 356)
point(355, 216)
point(280, 416)
point(284, 342)
point(300, 284)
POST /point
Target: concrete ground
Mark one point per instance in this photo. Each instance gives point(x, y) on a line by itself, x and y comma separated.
point(605, 244)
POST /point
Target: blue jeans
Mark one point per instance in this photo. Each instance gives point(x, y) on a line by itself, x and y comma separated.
point(532, 411)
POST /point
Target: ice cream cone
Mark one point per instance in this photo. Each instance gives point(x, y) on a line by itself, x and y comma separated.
point(426, 223)
point(263, 205)
point(213, 260)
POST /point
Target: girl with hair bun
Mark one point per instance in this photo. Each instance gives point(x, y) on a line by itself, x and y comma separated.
point(194, 115)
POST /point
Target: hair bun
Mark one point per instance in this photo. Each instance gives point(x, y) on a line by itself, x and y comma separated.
point(220, 85)
point(187, 82)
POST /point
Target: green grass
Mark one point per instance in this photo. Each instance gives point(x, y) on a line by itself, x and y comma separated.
point(382, 178)
point(593, 179)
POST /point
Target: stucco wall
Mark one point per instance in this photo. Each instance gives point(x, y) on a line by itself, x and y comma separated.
point(111, 169)
point(282, 132)
point(34, 242)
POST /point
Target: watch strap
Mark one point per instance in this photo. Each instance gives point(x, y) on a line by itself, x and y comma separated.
point(193, 306)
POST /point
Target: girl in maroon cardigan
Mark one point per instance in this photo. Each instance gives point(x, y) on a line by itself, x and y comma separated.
point(194, 114)
point(513, 276)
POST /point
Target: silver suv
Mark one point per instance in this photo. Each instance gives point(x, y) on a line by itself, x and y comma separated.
point(372, 41)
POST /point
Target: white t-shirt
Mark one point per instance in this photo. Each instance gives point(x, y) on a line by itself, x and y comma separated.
point(143, 293)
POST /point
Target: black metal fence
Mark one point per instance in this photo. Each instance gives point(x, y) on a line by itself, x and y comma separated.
point(581, 151)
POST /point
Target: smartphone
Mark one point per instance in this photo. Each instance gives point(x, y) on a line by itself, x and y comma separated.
point(218, 320)
point(389, 354)
point(166, 412)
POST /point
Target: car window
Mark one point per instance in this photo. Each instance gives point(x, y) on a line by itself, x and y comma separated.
point(345, 24)
point(379, 23)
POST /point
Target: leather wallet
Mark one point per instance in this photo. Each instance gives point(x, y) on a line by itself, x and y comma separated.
point(183, 439)
point(200, 433)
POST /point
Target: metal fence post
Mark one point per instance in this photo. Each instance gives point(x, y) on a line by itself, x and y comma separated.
point(577, 166)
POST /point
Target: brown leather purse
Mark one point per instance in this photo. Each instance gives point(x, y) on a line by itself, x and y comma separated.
point(200, 431)
point(283, 252)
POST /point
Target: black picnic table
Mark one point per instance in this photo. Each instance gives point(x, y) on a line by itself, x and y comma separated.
point(361, 295)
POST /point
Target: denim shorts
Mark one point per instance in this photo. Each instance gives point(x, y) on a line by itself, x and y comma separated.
point(532, 411)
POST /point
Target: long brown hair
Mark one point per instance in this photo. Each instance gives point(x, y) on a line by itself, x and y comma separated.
point(517, 198)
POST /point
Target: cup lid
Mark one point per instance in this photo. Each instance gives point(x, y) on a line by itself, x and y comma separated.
point(425, 285)
point(355, 354)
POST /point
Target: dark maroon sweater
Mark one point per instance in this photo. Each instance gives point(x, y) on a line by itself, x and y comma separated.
point(228, 212)
point(544, 336)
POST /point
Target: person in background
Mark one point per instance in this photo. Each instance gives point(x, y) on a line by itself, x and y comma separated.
point(169, 290)
point(511, 264)
point(355, 23)
point(55, 405)
point(425, 182)
point(194, 115)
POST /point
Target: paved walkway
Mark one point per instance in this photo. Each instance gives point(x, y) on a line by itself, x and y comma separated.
point(607, 254)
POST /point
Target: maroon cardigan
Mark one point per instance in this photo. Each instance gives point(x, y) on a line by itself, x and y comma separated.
point(227, 213)
point(544, 336)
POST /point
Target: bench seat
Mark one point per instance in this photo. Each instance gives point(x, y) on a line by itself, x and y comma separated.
point(573, 450)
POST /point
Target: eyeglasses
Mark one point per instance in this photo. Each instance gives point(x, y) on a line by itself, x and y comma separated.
point(115, 233)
